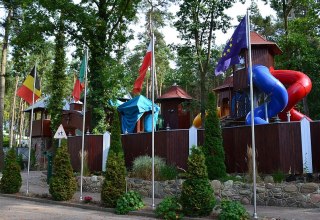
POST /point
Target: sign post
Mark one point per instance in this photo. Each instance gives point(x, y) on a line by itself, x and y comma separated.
point(60, 134)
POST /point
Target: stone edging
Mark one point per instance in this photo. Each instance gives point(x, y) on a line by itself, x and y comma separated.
point(306, 195)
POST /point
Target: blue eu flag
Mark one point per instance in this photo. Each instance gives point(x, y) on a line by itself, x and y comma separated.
point(233, 48)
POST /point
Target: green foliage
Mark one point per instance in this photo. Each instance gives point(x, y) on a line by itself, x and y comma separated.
point(142, 168)
point(11, 178)
point(232, 210)
point(197, 195)
point(57, 79)
point(130, 201)
point(6, 141)
point(33, 159)
point(279, 176)
point(62, 184)
point(213, 147)
point(169, 208)
point(20, 161)
point(114, 184)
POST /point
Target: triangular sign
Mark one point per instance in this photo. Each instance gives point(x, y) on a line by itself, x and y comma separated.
point(60, 133)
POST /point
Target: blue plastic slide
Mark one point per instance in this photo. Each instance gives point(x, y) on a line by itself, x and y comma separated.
point(267, 83)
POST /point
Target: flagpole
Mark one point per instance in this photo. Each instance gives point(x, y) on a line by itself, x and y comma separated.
point(152, 88)
point(255, 216)
point(83, 120)
point(31, 123)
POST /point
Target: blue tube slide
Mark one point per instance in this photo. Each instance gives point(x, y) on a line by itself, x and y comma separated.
point(267, 83)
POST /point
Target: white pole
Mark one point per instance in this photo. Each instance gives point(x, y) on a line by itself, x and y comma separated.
point(255, 216)
point(83, 121)
point(152, 86)
point(31, 123)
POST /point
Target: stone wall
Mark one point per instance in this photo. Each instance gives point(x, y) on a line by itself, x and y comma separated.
point(295, 194)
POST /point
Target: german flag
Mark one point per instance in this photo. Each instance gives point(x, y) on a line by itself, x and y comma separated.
point(30, 86)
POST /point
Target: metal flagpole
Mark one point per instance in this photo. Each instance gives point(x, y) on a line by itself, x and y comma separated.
point(152, 97)
point(255, 216)
point(83, 120)
point(31, 123)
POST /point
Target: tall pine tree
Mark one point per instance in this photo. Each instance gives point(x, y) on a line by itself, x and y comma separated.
point(213, 147)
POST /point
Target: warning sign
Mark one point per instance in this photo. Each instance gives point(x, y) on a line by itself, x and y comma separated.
point(60, 133)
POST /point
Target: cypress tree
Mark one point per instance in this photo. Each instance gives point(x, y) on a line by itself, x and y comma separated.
point(63, 183)
point(213, 147)
point(114, 185)
point(197, 195)
point(11, 178)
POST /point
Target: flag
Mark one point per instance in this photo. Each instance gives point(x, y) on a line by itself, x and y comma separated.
point(233, 48)
point(142, 71)
point(79, 84)
point(30, 87)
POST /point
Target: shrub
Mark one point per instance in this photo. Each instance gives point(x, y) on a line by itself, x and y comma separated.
point(20, 161)
point(62, 184)
point(279, 176)
point(114, 184)
point(142, 168)
point(232, 210)
point(169, 208)
point(11, 178)
point(130, 201)
point(197, 195)
point(213, 147)
point(168, 172)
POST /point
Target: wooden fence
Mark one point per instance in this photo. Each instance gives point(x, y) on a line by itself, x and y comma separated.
point(278, 147)
point(94, 147)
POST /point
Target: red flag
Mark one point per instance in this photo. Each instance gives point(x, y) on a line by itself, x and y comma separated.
point(77, 90)
point(142, 71)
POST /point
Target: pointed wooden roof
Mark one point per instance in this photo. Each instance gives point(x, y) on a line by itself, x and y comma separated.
point(175, 92)
point(227, 83)
point(257, 39)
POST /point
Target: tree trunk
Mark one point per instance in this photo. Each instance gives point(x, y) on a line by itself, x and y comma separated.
point(13, 111)
point(2, 81)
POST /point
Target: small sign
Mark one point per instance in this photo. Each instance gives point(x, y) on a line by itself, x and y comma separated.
point(60, 133)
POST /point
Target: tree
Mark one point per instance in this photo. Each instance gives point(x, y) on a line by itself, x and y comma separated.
point(114, 184)
point(62, 184)
point(213, 147)
point(11, 180)
point(196, 22)
point(103, 27)
point(197, 196)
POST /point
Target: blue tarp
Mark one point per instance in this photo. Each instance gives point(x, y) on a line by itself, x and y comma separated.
point(132, 110)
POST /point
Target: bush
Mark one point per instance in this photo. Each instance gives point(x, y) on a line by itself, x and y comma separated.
point(279, 176)
point(11, 178)
point(20, 161)
point(130, 201)
point(197, 195)
point(62, 184)
point(232, 210)
point(213, 147)
point(142, 168)
point(169, 208)
point(114, 184)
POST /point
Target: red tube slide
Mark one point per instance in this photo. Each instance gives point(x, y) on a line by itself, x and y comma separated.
point(298, 86)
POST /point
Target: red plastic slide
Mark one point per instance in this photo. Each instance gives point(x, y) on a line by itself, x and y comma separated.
point(298, 86)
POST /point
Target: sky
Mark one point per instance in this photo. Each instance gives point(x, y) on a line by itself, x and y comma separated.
point(171, 35)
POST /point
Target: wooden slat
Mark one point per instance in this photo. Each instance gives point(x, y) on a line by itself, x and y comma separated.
point(315, 145)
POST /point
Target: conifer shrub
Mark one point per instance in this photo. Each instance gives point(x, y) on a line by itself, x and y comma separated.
point(213, 142)
point(114, 184)
point(197, 195)
point(11, 178)
point(63, 183)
